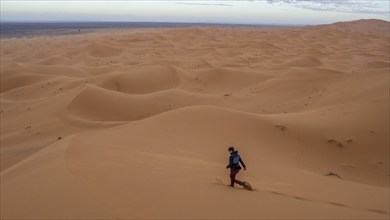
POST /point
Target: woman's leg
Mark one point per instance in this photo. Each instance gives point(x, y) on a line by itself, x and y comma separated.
point(233, 180)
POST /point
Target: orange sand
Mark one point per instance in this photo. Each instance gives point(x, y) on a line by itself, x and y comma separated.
point(136, 123)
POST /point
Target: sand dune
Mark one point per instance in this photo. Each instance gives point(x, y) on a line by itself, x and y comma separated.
point(304, 61)
point(367, 26)
point(136, 123)
point(144, 79)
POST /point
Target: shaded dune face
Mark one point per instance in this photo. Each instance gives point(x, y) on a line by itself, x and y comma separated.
point(143, 79)
point(132, 123)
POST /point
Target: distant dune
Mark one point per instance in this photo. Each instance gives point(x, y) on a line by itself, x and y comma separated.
point(136, 123)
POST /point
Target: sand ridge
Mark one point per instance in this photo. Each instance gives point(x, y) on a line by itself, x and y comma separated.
point(136, 123)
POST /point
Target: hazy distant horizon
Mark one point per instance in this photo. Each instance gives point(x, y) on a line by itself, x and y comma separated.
point(146, 22)
point(30, 29)
point(255, 12)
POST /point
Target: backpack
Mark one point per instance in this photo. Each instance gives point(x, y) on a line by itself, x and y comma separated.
point(236, 159)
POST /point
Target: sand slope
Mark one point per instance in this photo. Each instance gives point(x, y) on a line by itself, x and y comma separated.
point(136, 123)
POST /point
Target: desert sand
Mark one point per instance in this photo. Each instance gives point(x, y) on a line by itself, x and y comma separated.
point(136, 123)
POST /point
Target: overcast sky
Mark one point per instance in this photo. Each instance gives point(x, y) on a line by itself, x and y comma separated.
point(296, 12)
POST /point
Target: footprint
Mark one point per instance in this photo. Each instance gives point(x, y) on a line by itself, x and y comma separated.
point(300, 198)
point(338, 204)
point(219, 181)
point(278, 193)
point(281, 127)
point(377, 211)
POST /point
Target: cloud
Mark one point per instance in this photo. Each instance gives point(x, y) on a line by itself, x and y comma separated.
point(202, 4)
point(351, 6)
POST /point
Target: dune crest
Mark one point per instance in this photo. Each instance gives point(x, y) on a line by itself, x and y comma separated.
point(136, 123)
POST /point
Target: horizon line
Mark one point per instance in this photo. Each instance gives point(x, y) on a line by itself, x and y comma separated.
point(178, 22)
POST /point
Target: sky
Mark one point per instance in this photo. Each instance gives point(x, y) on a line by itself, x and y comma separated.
point(279, 12)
